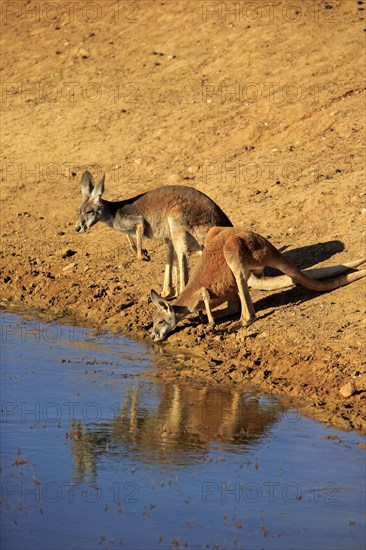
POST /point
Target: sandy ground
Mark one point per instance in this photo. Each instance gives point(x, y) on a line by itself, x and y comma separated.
point(260, 106)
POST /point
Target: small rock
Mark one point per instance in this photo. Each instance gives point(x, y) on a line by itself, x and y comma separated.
point(68, 267)
point(83, 53)
point(192, 169)
point(348, 389)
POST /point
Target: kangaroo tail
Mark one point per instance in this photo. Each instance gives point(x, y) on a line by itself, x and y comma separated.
point(288, 281)
point(330, 284)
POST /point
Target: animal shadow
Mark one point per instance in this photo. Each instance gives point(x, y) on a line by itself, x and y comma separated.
point(312, 254)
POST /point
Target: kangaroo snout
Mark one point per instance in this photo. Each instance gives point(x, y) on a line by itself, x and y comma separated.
point(156, 337)
point(79, 228)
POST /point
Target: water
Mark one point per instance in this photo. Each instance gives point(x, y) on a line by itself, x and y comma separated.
point(96, 453)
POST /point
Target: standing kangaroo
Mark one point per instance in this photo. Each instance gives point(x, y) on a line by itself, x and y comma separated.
point(232, 260)
point(178, 215)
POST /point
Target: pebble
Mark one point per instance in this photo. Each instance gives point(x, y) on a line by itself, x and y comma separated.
point(348, 389)
point(68, 267)
point(192, 169)
point(83, 53)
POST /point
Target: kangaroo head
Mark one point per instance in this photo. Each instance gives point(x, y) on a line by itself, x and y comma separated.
point(165, 320)
point(91, 209)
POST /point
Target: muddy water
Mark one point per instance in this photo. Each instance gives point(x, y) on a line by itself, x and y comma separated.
point(96, 453)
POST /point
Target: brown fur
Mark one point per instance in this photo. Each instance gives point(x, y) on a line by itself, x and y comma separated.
point(178, 215)
point(232, 258)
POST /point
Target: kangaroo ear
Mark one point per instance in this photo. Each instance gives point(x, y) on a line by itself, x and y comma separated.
point(87, 184)
point(99, 189)
point(159, 301)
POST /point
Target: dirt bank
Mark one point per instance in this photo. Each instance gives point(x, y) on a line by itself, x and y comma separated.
point(260, 107)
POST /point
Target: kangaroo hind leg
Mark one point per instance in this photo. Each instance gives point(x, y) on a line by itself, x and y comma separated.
point(236, 258)
point(170, 273)
point(182, 255)
point(179, 239)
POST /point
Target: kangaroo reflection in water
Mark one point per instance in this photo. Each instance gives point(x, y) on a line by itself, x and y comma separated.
point(174, 424)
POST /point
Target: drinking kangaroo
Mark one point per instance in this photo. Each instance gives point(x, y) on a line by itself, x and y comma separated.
point(178, 215)
point(234, 259)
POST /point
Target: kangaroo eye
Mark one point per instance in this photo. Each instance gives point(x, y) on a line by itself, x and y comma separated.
point(89, 211)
